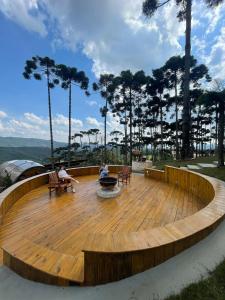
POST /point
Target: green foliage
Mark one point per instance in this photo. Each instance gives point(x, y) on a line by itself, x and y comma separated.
point(39, 66)
point(213, 3)
point(69, 75)
point(211, 288)
point(149, 7)
point(38, 154)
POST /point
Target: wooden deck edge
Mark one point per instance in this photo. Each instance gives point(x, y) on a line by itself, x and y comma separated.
point(29, 272)
point(130, 261)
point(102, 267)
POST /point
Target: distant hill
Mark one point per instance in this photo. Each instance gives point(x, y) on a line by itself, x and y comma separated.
point(27, 142)
point(37, 154)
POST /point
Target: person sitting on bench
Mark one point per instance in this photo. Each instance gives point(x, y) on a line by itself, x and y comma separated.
point(63, 175)
point(104, 171)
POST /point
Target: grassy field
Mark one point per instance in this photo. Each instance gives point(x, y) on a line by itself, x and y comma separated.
point(213, 287)
point(213, 172)
point(183, 163)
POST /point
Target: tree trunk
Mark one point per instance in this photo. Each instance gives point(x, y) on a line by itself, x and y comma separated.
point(50, 121)
point(117, 151)
point(221, 134)
point(131, 142)
point(139, 127)
point(105, 124)
point(125, 132)
point(176, 113)
point(210, 138)
point(197, 135)
point(186, 149)
point(161, 126)
point(69, 137)
point(216, 137)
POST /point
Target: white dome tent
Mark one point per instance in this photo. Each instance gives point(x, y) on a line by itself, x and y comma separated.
point(20, 169)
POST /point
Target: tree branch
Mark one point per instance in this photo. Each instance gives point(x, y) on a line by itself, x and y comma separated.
point(161, 4)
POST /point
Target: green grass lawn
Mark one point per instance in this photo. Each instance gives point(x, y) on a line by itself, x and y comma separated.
point(213, 287)
point(182, 163)
point(213, 172)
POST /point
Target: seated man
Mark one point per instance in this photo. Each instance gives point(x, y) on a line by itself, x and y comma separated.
point(63, 175)
point(104, 171)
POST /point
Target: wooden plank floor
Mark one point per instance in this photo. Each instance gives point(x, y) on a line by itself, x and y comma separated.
point(61, 225)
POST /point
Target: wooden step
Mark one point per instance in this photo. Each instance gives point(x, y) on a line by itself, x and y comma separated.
point(40, 263)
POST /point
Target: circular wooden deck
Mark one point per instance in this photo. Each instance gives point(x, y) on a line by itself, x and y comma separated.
point(62, 222)
point(43, 238)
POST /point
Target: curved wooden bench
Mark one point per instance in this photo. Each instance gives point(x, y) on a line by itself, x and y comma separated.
point(31, 260)
point(118, 256)
point(111, 257)
point(39, 263)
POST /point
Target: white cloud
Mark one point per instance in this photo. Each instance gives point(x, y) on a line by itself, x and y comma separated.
point(93, 122)
point(31, 125)
point(62, 120)
point(215, 59)
point(35, 119)
point(59, 120)
point(115, 37)
point(22, 125)
point(25, 13)
point(3, 114)
point(92, 103)
point(113, 122)
point(205, 17)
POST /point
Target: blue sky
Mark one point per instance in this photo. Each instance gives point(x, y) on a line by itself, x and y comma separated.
point(19, 95)
point(110, 39)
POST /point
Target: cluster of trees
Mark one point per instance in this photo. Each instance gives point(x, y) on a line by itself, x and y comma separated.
point(149, 7)
point(167, 110)
point(150, 109)
point(87, 148)
point(56, 74)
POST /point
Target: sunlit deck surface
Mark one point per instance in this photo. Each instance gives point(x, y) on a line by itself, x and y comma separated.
point(39, 228)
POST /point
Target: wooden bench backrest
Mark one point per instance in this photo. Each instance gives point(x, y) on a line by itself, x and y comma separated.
point(126, 170)
point(53, 178)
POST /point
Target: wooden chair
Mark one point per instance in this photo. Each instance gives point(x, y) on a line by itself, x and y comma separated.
point(56, 184)
point(124, 175)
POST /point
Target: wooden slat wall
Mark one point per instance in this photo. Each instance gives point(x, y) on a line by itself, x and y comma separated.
point(190, 181)
point(155, 174)
point(16, 191)
point(193, 182)
point(31, 273)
